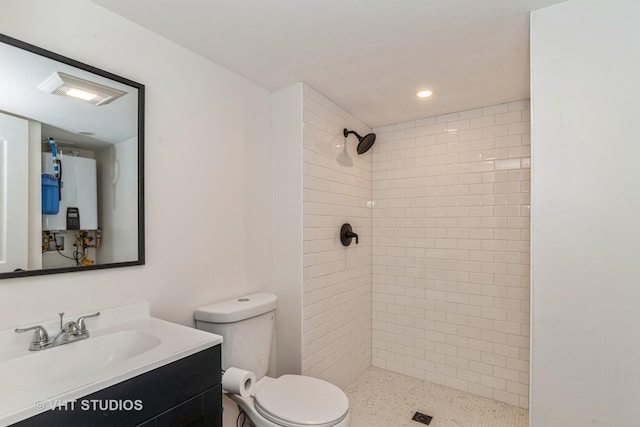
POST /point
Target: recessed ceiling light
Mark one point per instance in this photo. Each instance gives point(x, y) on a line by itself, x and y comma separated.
point(79, 89)
point(424, 93)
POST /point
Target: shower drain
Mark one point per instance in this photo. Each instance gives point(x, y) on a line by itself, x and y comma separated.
point(422, 418)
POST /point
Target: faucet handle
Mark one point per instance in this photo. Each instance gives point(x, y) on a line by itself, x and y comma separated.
point(70, 328)
point(40, 337)
point(82, 325)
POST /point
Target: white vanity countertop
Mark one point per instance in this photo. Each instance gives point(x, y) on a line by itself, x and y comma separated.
point(19, 403)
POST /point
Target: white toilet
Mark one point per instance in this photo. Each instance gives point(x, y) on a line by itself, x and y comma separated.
point(246, 324)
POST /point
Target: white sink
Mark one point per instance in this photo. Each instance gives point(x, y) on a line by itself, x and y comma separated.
point(74, 359)
point(124, 342)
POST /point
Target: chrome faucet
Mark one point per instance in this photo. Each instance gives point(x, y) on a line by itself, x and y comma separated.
point(69, 332)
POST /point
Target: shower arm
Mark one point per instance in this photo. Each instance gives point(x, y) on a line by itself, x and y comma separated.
point(346, 133)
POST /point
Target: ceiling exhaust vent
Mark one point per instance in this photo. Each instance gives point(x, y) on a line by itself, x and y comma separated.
point(79, 89)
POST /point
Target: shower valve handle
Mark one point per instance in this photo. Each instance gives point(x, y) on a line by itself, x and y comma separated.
point(346, 234)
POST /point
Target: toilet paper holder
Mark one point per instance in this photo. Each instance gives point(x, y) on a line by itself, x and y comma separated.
point(238, 381)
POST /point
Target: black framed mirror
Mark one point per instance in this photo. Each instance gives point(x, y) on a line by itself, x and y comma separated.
point(71, 164)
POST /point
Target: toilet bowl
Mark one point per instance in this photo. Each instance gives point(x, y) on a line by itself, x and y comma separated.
point(246, 325)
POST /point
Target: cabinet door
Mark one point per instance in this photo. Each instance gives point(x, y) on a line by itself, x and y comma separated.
point(204, 410)
point(14, 193)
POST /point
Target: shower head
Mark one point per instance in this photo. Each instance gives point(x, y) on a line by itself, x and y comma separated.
point(365, 142)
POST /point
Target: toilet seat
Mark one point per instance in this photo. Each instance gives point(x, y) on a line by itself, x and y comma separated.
point(299, 401)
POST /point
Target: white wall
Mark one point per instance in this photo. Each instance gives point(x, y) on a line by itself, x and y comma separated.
point(337, 279)
point(208, 172)
point(585, 72)
point(287, 217)
point(451, 250)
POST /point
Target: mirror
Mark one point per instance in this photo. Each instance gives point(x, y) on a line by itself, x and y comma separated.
point(71, 165)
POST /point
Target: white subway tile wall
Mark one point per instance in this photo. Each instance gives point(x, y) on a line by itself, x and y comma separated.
point(451, 250)
point(337, 279)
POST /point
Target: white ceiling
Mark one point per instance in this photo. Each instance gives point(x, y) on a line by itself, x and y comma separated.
point(63, 119)
point(368, 56)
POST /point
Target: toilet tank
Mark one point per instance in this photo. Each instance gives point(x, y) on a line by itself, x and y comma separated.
point(246, 325)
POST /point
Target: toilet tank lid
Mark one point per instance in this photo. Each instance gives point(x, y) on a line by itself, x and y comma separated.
point(237, 309)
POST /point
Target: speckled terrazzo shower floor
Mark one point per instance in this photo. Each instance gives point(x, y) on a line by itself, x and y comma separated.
point(380, 398)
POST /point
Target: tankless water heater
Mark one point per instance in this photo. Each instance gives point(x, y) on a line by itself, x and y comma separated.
point(78, 194)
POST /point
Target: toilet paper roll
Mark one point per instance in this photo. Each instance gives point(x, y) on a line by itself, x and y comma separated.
point(238, 381)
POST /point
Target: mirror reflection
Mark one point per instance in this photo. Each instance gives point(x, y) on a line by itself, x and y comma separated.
point(70, 164)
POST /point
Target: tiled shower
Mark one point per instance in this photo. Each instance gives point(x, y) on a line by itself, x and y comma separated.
point(451, 250)
point(337, 280)
point(438, 287)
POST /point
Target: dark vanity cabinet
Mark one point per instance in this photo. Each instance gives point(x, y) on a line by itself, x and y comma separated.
point(187, 392)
